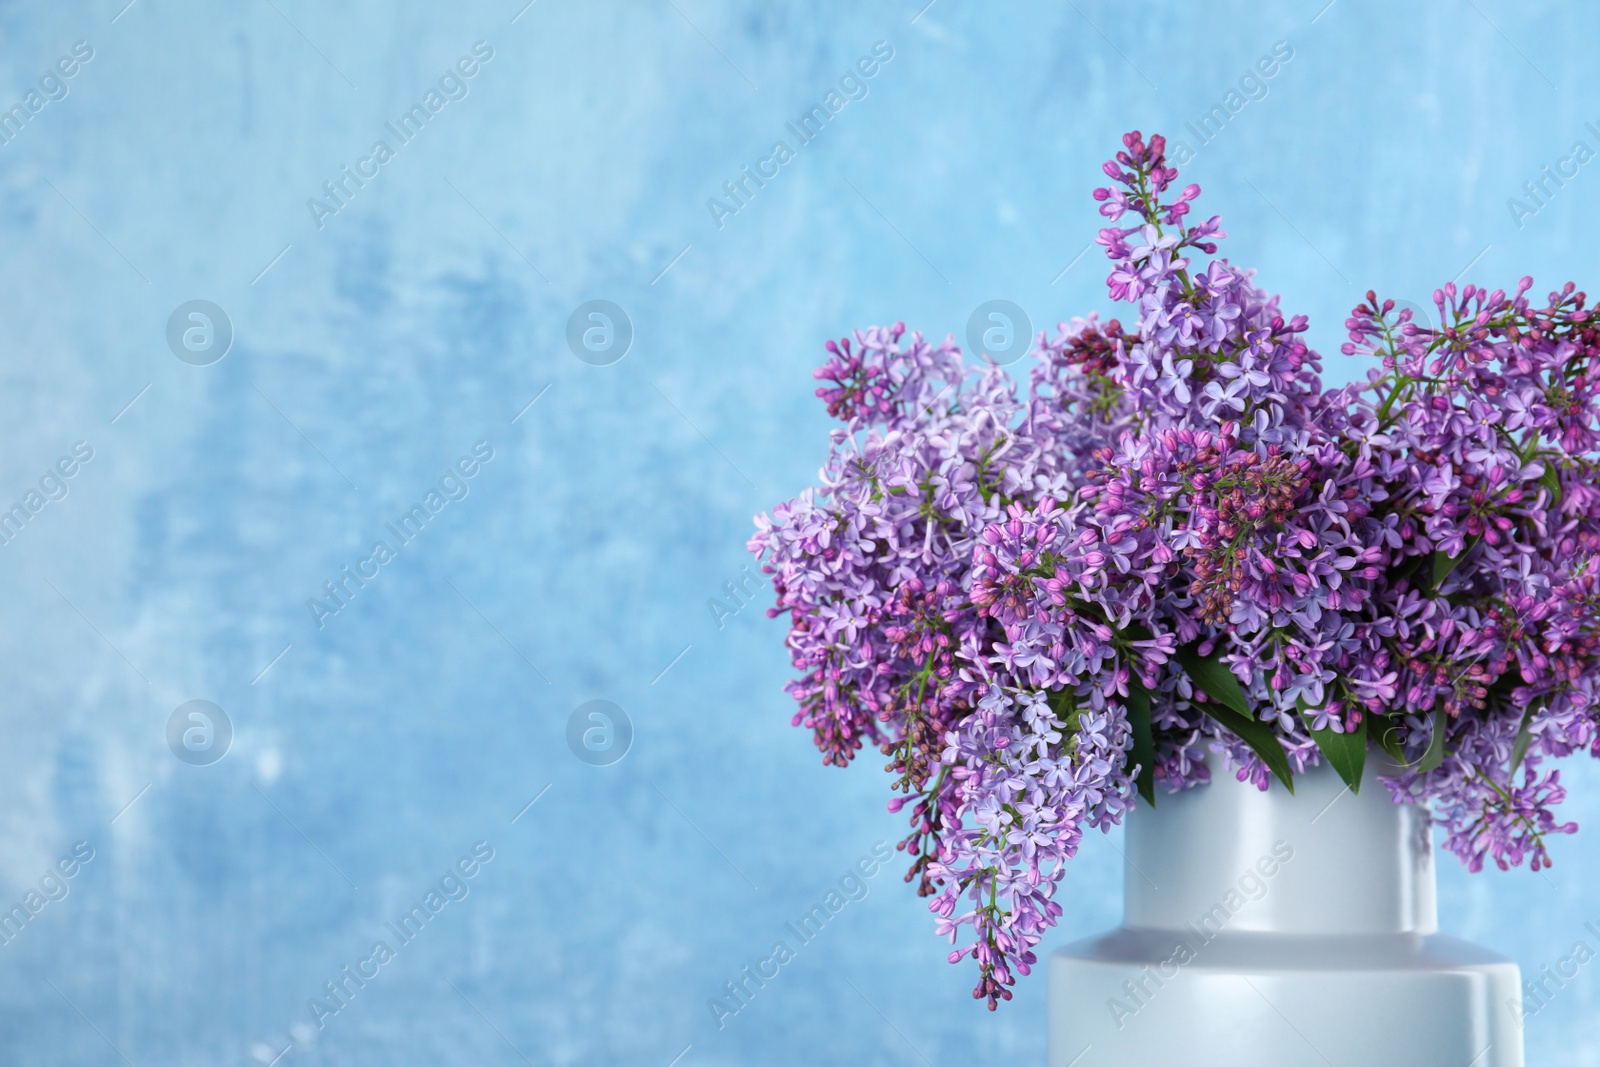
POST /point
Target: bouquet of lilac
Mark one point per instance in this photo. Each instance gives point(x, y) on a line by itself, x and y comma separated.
point(1179, 543)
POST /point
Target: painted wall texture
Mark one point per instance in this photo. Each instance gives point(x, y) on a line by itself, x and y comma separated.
point(395, 215)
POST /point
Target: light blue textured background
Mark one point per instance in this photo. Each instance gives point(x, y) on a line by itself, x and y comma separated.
point(426, 314)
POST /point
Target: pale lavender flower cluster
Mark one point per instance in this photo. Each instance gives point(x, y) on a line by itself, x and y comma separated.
point(1178, 543)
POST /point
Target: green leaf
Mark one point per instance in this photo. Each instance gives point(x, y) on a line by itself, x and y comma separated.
point(1259, 736)
point(1063, 703)
point(1551, 480)
point(1134, 632)
point(1405, 569)
point(1443, 564)
point(1227, 705)
point(1385, 733)
point(1211, 675)
point(1347, 752)
point(1144, 744)
point(1435, 754)
point(1519, 747)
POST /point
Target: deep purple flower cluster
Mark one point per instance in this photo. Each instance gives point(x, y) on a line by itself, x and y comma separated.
point(1179, 543)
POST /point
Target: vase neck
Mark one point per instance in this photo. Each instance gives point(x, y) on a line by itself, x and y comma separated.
point(1322, 861)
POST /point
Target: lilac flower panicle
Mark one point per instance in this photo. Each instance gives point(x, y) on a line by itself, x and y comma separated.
point(998, 585)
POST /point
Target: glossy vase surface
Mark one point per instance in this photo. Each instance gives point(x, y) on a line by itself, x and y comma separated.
point(1270, 928)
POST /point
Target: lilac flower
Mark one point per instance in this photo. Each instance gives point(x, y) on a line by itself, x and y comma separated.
point(987, 582)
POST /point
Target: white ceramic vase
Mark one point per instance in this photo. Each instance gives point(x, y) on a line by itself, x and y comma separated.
point(1270, 928)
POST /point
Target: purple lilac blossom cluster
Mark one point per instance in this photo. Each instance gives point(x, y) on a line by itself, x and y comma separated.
point(1179, 543)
